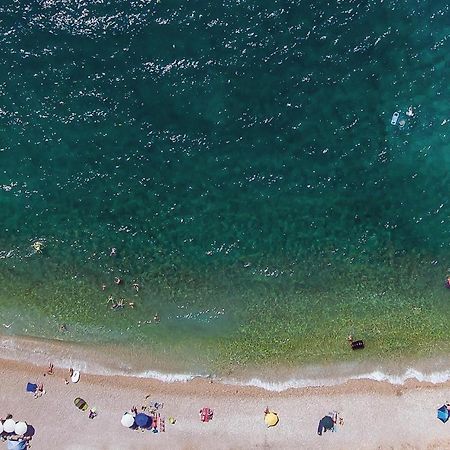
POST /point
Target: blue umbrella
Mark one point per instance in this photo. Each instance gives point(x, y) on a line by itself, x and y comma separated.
point(142, 420)
point(16, 445)
point(442, 413)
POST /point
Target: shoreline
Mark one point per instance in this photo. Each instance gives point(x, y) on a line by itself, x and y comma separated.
point(105, 361)
point(377, 415)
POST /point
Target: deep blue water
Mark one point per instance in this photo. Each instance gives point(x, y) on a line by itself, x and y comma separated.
point(238, 155)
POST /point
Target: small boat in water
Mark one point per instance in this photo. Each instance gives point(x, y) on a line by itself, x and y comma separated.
point(395, 117)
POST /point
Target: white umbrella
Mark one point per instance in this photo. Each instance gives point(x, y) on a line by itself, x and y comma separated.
point(127, 420)
point(9, 425)
point(21, 428)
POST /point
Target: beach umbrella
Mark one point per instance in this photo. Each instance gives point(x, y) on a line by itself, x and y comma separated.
point(127, 420)
point(9, 425)
point(271, 419)
point(442, 413)
point(81, 404)
point(16, 445)
point(142, 420)
point(21, 428)
point(327, 422)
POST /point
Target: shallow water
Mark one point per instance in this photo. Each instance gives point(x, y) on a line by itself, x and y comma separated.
point(241, 159)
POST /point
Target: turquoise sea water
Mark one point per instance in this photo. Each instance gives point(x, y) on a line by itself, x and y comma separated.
point(240, 157)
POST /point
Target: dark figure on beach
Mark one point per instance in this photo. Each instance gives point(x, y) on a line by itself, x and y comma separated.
point(356, 345)
point(326, 423)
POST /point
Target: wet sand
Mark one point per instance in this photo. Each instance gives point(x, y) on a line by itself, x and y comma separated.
point(377, 415)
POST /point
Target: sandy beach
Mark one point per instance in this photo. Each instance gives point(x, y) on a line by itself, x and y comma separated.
point(377, 415)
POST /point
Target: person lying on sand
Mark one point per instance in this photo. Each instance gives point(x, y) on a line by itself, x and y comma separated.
point(39, 390)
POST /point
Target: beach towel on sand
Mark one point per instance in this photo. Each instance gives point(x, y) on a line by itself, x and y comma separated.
point(31, 387)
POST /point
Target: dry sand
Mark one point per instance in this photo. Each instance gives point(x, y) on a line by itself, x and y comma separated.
point(377, 415)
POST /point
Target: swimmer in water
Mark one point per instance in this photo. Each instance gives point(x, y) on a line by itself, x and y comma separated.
point(410, 112)
point(38, 246)
point(118, 280)
point(156, 318)
point(447, 282)
point(135, 287)
point(113, 252)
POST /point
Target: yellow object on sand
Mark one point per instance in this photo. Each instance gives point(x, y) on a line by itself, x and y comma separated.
point(271, 419)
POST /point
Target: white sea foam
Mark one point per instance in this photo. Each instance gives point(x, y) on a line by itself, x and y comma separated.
point(376, 375)
point(167, 377)
point(409, 374)
point(39, 354)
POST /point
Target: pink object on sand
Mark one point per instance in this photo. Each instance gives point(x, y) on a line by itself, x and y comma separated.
point(206, 414)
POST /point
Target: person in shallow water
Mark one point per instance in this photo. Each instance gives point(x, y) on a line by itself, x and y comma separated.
point(38, 246)
point(447, 282)
point(410, 112)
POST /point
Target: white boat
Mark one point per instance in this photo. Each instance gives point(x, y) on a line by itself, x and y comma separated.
point(395, 117)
